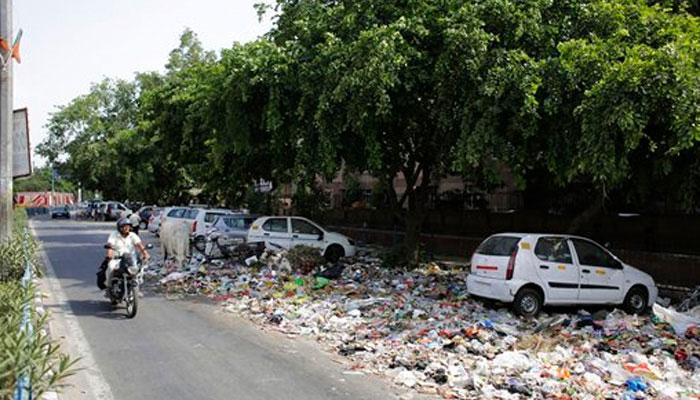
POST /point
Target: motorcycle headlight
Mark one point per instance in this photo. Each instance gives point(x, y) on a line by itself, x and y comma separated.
point(133, 270)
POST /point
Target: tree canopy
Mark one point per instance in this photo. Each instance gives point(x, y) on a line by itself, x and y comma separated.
point(599, 97)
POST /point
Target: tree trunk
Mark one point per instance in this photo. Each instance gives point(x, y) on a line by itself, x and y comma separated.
point(417, 201)
point(411, 243)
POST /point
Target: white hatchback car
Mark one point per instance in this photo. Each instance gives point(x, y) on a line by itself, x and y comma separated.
point(531, 270)
point(287, 232)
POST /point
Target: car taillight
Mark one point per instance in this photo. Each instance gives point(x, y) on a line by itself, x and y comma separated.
point(194, 226)
point(511, 265)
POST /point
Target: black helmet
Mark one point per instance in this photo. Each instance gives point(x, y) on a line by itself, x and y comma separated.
point(122, 222)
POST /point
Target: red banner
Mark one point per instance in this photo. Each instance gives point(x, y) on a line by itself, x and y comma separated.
point(41, 199)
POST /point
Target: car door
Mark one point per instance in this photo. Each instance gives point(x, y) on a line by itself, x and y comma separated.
point(602, 276)
point(307, 234)
point(556, 268)
point(275, 232)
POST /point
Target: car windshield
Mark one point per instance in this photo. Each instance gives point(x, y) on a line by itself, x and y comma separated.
point(498, 246)
point(236, 222)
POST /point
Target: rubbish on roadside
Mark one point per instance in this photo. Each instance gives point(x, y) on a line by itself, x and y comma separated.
point(419, 329)
point(691, 301)
point(679, 321)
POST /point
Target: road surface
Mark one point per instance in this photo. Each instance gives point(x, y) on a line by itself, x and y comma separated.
point(176, 349)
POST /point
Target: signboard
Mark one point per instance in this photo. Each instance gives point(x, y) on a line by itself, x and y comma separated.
point(21, 159)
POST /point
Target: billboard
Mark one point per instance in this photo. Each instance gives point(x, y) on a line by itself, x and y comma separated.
point(21, 159)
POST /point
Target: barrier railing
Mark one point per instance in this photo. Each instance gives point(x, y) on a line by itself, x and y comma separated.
point(23, 391)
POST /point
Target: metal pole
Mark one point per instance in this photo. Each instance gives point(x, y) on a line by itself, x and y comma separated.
point(6, 126)
point(53, 180)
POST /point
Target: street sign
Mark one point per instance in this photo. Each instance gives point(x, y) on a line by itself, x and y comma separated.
point(21, 157)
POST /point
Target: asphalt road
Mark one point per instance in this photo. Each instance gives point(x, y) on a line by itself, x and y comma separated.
point(182, 349)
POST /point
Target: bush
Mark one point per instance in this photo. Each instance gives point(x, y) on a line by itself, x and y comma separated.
point(304, 259)
point(398, 257)
point(38, 357)
point(35, 356)
point(14, 255)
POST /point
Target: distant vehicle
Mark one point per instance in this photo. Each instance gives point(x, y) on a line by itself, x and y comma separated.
point(60, 212)
point(288, 232)
point(116, 210)
point(533, 270)
point(111, 211)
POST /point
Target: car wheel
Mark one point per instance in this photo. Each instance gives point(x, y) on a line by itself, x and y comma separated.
point(636, 301)
point(334, 252)
point(528, 302)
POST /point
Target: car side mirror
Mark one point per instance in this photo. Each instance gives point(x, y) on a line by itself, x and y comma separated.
point(320, 236)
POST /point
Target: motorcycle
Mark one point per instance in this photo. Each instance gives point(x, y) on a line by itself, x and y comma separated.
point(126, 280)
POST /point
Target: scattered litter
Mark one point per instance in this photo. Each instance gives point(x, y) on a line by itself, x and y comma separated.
point(421, 330)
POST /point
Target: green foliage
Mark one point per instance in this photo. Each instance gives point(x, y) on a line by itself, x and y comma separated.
point(37, 356)
point(598, 94)
point(259, 203)
point(20, 249)
point(304, 259)
point(309, 200)
point(353, 191)
point(40, 181)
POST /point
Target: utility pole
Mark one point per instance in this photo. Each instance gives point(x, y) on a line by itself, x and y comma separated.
point(6, 126)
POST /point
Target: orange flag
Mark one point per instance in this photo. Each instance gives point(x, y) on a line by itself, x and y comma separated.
point(15, 47)
point(15, 53)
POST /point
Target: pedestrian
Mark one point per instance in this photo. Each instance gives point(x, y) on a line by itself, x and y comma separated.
point(135, 222)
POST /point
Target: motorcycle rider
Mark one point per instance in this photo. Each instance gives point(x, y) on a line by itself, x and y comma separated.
point(121, 242)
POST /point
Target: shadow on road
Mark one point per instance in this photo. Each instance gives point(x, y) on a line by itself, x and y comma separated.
point(99, 308)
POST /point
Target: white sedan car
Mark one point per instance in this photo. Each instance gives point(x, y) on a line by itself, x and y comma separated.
point(531, 270)
point(287, 232)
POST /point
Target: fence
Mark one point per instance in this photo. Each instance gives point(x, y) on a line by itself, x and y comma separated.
point(656, 234)
point(23, 391)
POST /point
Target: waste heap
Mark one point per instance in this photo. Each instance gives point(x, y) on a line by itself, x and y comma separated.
point(422, 330)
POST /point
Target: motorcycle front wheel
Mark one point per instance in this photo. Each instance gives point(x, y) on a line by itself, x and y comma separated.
point(132, 303)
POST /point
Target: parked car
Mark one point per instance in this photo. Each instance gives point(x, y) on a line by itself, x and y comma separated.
point(60, 212)
point(173, 213)
point(111, 211)
point(145, 214)
point(287, 232)
point(202, 220)
point(533, 270)
point(226, 230)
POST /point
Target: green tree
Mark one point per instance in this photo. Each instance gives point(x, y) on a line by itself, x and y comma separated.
point(578, 89)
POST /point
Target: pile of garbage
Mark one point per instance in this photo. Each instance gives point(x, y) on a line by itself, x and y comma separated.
point(422, 330)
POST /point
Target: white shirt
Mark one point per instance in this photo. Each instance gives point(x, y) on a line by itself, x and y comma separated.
point(123, 245)
point(134, 219)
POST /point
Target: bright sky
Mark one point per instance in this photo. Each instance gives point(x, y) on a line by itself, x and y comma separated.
point(69, 44)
